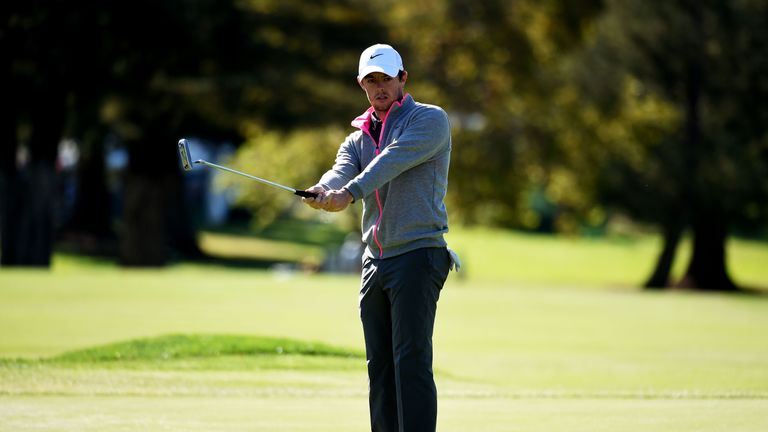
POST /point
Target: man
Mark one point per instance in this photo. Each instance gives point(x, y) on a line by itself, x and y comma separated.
point(397, 164)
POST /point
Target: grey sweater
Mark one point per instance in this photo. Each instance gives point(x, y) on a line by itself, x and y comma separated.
point(402, 181)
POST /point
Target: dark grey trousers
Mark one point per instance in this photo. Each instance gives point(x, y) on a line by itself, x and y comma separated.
point(398, 301)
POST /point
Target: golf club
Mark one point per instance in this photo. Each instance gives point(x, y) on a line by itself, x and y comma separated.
point(186, 162)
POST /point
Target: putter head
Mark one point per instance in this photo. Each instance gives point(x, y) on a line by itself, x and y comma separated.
point(186, 158)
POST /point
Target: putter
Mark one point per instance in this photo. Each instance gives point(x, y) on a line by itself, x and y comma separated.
point(186, 162)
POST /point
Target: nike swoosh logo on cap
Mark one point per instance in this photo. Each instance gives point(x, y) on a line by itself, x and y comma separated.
point(376, 55)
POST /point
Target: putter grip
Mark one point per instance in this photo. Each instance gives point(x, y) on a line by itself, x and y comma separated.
point(305, 194)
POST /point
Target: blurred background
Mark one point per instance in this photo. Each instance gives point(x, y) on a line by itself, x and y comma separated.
point(581, 119)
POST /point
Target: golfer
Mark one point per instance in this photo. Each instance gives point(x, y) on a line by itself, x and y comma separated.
point(397, 165)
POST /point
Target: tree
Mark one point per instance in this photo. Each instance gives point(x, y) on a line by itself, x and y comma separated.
point(705, 59)
point(207, 72)
point(494, 66)
point(151, 72)
point(34, 71)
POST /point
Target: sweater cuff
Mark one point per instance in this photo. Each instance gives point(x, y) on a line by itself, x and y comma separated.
point(355, 190)
point(350, 194)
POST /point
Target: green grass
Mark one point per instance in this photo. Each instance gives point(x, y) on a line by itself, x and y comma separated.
point(487, 255)
point(204, 353)
point(177, 347)
point(520, 345)
point(307, 413)
point(493, 255)
point(238, 247)
point(296, 231)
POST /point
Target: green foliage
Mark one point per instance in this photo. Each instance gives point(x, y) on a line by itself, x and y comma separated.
point(578, 106)
point(677, 54)
point(297, 158)
point(625, 157)
point(495, 67)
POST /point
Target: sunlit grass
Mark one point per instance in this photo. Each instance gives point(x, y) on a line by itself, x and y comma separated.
point(518, 341)
point(280, 412)
point(495, 255)
point(519, 336)
point(180, 347)
point(492, 255)
point(559, 358)
point(197, 352)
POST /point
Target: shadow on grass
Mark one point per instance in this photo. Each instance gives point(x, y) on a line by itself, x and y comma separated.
point(267, 250)
point(240, 263)
point(313, 233)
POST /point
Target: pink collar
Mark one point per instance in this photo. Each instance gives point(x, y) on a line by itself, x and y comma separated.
point(363, 121)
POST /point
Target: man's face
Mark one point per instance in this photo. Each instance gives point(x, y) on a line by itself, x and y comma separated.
point(382, 90)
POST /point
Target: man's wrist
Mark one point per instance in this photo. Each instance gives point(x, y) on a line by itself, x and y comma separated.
point(350, 197)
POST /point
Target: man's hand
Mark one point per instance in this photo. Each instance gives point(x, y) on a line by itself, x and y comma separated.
point(316, 202)
point(337, 200)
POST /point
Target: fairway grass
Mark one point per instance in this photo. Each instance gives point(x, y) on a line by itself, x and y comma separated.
point(488, 255)
point(509, 356)
point(348, 414)
point(627, 261)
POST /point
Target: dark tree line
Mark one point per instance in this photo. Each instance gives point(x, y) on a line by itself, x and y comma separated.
point(149, 72)
point(593, 107)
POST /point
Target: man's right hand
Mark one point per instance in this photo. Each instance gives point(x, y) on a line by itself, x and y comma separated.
point(316, 202)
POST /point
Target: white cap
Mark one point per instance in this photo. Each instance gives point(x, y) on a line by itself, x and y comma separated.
point(379, 58)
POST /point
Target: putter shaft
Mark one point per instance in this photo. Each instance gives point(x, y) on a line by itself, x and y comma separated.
point(186, 161)
point(259, 179)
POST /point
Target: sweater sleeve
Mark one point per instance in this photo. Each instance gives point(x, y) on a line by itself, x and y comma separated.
point(427, 135)
point(345, 168)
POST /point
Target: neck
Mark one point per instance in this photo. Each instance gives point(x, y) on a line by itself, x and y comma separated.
point(383, 114)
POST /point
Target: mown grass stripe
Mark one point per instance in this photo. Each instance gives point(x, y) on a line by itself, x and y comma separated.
point(184, 346)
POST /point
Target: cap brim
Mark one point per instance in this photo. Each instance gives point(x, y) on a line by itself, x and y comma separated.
point(371, 69)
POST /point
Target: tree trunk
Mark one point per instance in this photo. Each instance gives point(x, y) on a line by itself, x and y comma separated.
point(29, 202)
point(30, 192)
point(182, 235)
point(91, 213)
point(156, 222)
point(144, 241)
point(31, 231)
point(11, 203)
point(707, 269)
point(89, 229)
point(9, 188)
point(660, 277)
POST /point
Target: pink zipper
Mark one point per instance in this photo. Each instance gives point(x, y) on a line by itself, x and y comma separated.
point(378, 221)
point(378, 200)
point(366, 129)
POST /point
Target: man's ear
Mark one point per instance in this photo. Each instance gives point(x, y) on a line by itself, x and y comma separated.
point(404, 77)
